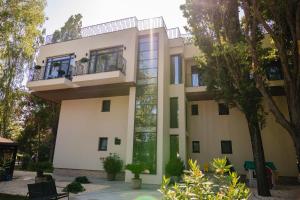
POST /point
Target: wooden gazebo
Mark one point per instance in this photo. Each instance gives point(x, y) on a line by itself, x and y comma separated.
point(8, 151)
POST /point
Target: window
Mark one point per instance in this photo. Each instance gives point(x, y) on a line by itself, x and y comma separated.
point(174, 146)
point(273, 71)
point(176, 69)
point(226, 147)
point(117, 141)
point(196, 77)
point(195, 109)
point(105, 105)
point(196, 146)
point(223, 109)
point(57, 67)
point(105, 60)
point(102, 144)
point(174, 112)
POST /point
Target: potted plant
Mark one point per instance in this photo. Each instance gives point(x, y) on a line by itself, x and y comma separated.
point(174, 169)
point(61, 73)
point(136, 169)
point(112, 165)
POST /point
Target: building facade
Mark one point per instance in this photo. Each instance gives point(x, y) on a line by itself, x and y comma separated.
point(132, 87)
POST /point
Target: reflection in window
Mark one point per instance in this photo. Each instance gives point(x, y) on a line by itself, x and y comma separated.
point(174, 147)
point(105, 60)
point(196, 77)
point(176, 68)
point(58, 67)
point(144, 147)
point(273, 71)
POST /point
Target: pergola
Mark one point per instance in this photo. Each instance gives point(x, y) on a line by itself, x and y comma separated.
point(8, 150)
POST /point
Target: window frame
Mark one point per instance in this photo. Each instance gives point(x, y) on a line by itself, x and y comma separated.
point(103, 105)
point(226, 142)
point(174, 124)
point(222, 106)
point(99, 144)
point(60, 59)
point(194, 143)
point(192, 110)
point(173, 69)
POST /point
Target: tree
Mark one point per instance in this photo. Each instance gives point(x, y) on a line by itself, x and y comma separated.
point(71, 29)
point(281, 21)
point(20, 29)
point(227, 68)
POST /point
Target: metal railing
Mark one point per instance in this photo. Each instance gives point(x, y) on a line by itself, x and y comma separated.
point(122, 24)
point(36, 74)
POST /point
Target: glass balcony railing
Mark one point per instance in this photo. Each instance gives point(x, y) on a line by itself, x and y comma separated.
point(122, 24)
point(80, 67)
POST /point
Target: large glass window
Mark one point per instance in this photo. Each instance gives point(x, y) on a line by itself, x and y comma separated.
point(174, 112)
point(196, 78)
point(145, 130)
point(57, 67)
point(176, 69)
point(105, 60)
point(174, 146)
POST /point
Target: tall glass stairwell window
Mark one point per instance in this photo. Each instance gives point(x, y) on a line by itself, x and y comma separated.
point(145, 131)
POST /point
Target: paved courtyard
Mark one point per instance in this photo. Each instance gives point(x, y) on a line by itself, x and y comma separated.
point(118, 190)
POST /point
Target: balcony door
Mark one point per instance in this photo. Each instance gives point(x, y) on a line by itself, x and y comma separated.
point(196, 79)
point(58, 67)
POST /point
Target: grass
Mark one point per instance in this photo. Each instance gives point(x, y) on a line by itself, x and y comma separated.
point(11, 197)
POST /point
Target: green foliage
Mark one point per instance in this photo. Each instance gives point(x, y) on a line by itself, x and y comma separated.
point(71, 29)
point(136, 169)
point(20, 35)
point(113, 164)
point(82, 179)
point(74, 187)
point(40, 166)
point(175, 167)
point(197, 185)
point(25, 161)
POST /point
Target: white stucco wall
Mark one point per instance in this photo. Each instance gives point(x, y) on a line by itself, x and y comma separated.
point(81, 123)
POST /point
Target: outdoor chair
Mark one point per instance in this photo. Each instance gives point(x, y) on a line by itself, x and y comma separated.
point(44, 191)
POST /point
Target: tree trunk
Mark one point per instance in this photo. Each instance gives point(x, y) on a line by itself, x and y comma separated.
point(259, 158)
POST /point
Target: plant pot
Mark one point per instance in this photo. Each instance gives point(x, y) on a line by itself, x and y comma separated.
point(111, 177)
point(136, 183)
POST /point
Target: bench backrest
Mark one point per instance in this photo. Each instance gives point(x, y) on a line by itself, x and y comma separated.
point(43, 189)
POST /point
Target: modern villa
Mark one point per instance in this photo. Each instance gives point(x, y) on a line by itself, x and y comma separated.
point(132, 87)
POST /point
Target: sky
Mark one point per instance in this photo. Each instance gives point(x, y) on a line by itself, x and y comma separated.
point(100, 11)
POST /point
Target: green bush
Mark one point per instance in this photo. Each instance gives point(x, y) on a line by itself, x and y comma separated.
point(25, 161)
point(113, 164)
point(42, 166)
point(136, 169)
point(221, 185)
point(82, 179)
point(175, 167)
point(74, 187)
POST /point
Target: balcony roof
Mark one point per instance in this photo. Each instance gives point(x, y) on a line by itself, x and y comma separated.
point(127, 23)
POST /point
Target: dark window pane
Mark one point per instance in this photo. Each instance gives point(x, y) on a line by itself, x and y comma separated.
point(58, 67)
point(174, 146)
point(223, 109)
point(196, 77)
point(195, 109)
point(146, 64)
point(196, 146)
point(105, 105)
point(102, 144)
point(174, 112)
point(176, 69)
point(226, 147)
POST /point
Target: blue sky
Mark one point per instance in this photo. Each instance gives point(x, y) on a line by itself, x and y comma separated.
point(99, 11)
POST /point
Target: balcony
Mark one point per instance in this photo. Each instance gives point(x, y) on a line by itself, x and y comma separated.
point(64, 72)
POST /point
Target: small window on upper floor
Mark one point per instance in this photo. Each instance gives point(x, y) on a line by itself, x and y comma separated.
point(196, 146)
point(106, 106)
point(195, 109)
point(226, 147)
point(223, 109)
point(103, 142)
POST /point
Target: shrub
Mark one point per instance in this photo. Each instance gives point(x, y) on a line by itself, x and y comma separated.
point(25, 161)
point(74, 187)
point(222, 184)
point(175, 167)
point(136, 169)
point(82, 179)
point(113, 164)
point(40, 166)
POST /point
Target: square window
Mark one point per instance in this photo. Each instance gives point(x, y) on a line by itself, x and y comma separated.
point(196, 146)
point(117, 141)
point(105, 105)
point(226, 146)
point(195, 109)
point(102, 144)
point(223, 109)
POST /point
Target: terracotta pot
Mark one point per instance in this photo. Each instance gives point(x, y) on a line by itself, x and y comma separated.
point(111, 177)
point(136, 183)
